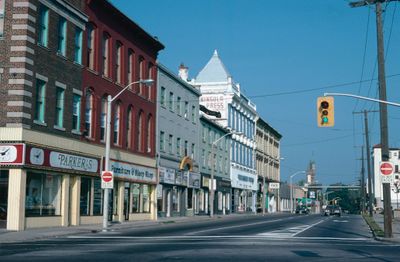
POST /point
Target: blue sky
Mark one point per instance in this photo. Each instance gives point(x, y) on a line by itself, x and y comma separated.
point(285, 54)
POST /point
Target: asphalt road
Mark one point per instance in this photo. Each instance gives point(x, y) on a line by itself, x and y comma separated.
point(282, 237)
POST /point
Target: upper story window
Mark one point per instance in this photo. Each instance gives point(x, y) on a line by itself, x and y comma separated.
point(140, 132)
point(103, 118)
point(129, 127)
point(149, 133)
point(78, 45)
point(178, 105)
point(2, 12)
point(162, 96)
point(105, 53)
point(89, 112)
point(117, 124)
point(141, 74)
point(118, 62)
point(43, 31)
point(171, 101)
point(162, 141)
point(76, 112)
point(186, 148)
point(193, 113)
point(170, 143)
point(40, 100)
point(178, 146)
point(150, 76)
point(91, 40)
point(59, 119)
point(186, 109)
point(131, 62)
point(62, 36)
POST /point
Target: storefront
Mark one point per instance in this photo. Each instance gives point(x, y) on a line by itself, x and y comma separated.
point(223, 196)
point(244, 190)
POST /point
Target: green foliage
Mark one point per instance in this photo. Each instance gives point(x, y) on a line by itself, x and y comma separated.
point(373, 225)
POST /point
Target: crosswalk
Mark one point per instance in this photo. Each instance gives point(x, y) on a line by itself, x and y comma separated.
point(289, 232)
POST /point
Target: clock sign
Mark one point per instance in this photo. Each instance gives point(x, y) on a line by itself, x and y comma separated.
point(36, 156)
point(8, 154)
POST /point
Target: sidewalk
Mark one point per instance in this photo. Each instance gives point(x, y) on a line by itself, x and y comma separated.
point(395, 228)
point(53, 232)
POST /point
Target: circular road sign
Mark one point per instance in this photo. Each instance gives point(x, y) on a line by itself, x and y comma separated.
point(386, 168)
point(107, 176)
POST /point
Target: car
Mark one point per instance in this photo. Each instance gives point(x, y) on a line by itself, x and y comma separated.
point(331, 210)
point(3, 213)
point(302, 210)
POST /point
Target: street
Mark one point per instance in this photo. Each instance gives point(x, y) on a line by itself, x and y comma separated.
point(280, 237)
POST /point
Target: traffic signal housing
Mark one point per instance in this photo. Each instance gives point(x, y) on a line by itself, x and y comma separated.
point(325, 111)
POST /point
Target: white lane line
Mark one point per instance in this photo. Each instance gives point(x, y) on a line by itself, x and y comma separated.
point(310, 226)
point(230, 227)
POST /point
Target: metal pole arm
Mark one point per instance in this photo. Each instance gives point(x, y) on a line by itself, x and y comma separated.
point(363, 98)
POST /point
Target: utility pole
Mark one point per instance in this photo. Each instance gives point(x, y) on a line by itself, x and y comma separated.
point(382, 108)
point(362, 181)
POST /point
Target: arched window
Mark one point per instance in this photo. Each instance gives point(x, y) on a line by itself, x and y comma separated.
point(103, 116)
point(105, 53)
point(89, 100)
point(140, 132)
point(150, 76)
point(129, 127)
point(149, 133)
point(141, 74)
point(131, 62)
point(118, 62)
point(90, 48)
point(117, 124)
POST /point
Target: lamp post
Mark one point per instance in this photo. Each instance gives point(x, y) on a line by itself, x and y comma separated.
point(212, 169)
point(110, 99)
point(291, 189)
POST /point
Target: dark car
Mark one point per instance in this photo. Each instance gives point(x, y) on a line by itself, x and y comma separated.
point(331, 210)
point(302, 210)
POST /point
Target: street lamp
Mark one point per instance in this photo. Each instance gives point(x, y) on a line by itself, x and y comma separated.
point(291, 189)
point(212, 169)
point(110, 99)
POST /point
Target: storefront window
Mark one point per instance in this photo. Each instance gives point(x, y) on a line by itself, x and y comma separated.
point(97, 198)
point(140, 198)
point(43, 195)
point(175, 200)
point(190, 198)
point(219, 200)
point(146, 198)
point(201, 199)
point(135, 198)
point(86, 185)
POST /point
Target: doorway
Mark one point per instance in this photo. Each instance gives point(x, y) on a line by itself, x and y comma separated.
point(3, 197)
point(126, 202)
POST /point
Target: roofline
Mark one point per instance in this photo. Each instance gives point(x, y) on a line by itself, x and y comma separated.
point(178, 79)
point(276, 133)
point(206, 119)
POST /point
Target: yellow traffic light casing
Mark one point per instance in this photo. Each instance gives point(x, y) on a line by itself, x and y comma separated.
point(325, 111)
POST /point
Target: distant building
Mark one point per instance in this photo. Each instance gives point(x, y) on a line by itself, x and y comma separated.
point(311, 173)
point(220, 93)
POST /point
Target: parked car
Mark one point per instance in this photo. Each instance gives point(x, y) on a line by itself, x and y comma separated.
point(331, 210)
point(302, 210)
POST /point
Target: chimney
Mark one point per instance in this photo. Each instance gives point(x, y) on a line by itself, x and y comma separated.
point(184, 72)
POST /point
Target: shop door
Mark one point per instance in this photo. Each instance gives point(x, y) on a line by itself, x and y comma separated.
point(3, 197)
point(126, 203)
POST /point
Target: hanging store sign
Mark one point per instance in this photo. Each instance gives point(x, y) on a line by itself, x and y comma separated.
point(133, 172)
point(273, 185)
point(73, 162)
point(166, 175)
point(12, 154)
point(194, 180)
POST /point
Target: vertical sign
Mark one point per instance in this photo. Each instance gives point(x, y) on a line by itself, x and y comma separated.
point(107, 180)
point(386, 169)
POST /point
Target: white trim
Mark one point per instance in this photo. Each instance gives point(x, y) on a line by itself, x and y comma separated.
point(22, 49)
point(76, 91)
point(19, 115)
point(24, 16)
point(25, 4)
point(18, 125)
point(21, 60)
point(39, 123)
point(20, 82)
point(19, 103)
point(19, 93)
point(76, 132)
point(22, 38)
point(61, 85)
point(21, 71)
point(23, 27)
point(59, 128)
point(42, 77)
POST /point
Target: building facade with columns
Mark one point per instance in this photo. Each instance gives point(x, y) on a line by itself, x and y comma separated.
point(220, 93)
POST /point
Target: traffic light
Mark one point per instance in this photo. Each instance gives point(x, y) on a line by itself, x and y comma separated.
point(325, 111)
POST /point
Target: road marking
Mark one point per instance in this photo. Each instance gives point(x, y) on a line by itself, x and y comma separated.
point(289, 232)
point(341, 221)
point(309, 227)
point(230, 227)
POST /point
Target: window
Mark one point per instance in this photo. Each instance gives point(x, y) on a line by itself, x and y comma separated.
point(203, 157)
point(193, 113)
point(2, 17)
point(150, 76)
point(43, 25)
point(149, 133)
point(43, 195)
point(178, 105)
point(78, 46)
point(162, 96)
point(91, 30)
point(103, 118)
point(40, 100)
point(117, 124)
point(76, 112)
point(59, 107)
point(171, 101)
point(131, 57)
point(89, 112)
point(204, 135)
point(170, 144)
point(129, 128)
point(141, 74)
point(186, 109)
point(105, 53)
point(86, 186)
point(162, 141)
point(140, 198)
point(193, 151)
point(178, 146)
point(186, 148)
point(62, 36)
point(118, 62)
point(140, 132)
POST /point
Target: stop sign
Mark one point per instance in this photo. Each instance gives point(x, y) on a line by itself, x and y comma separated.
point(107, 176)
point(386, 168)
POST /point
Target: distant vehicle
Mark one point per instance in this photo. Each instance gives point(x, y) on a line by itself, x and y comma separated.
point(3, 213)
point(331, 210)
point(302, 210)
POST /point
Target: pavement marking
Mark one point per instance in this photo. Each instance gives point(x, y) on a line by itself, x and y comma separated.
point(312, 225)
point(340, 221)
point(289, 232)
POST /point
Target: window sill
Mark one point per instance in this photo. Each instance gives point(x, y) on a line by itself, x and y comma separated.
point(40, 123)
point(59, 128)
point(61, 55)
point(107, 78)
point(91, 70)
point(44, 47)
point(76, 132)
point(78, 64)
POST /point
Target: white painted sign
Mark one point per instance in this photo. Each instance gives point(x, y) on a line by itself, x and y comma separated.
point(61, 160)
point(273, 185)
point(107, 180)
point(134, 172)
point(242, 179)
point(166, 175)
point(386, 169)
